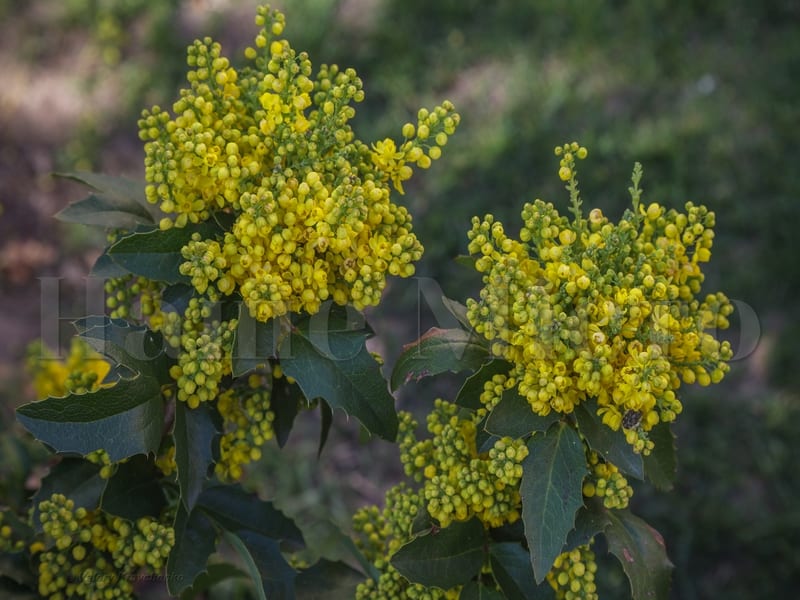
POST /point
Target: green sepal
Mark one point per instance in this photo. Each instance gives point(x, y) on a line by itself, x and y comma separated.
point(124, 419)
point(443, 558)
point(551, 491)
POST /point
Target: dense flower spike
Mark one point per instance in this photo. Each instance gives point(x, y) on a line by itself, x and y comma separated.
point(81, 371)
point(585, 308)
point(90, 554)
point(309, 204)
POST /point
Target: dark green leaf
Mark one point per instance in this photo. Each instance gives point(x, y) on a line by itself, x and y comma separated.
point(117, 204)
point(509, 532)
point(105, 267)
point(235, 509)
point(641, 550)
point(514, 417)
point(16, 572)
point(445, 559)
point(511, 565)
point(326, 415)
point(156, 254)
point(176, 297)
point(661, 464)
point(335, 365)
point(437, 351)
point(133, 346)
point(551, 492)
point(214, 574)
point(78, 479)
point(328, 580)
point(256, 342)
point(194, 433)
point(590, 520)
point(271, 574)
point(458, 310)
point(609, 444)
point(135, 490)
point(469, 395)
point(125, 419)
point(195, 541)
point(477, 591)
point(285, 403)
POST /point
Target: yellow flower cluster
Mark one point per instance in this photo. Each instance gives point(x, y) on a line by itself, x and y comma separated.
point(122, 294)
point(269, 152)
point(585, 308)
point(379, 534)
point(82, 371)
point(90, 554)
point(205, 350)
point(461, 480)
point(247, 425)
point(605, 481)
point(573, 573)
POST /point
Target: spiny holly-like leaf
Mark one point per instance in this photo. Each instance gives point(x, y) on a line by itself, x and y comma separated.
point(328, 580)
point(438, 351)
point(609, 444)
point(551, 492)
point(134, 490)
point(124, 419)
point(214, 574)
point(269, 571)
point(591, 519)
point(444, 559)
point(78, 479)
point(514, 417)
point(660, 465)
point(195, 541)
point(511, 566)
point(105, 267)
point(330, 360)
point(117, 203)
point(134, 346)
point(256, 342)
point(156, 254)
point(285, 403)
point(194, 433)
point(475, 590)
point(641, 550)
point(469, 396)
point(234, 509)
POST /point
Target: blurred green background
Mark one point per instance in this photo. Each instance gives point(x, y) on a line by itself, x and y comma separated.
point(705, 94)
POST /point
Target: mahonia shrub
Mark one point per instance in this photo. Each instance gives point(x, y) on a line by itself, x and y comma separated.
point(235, 277)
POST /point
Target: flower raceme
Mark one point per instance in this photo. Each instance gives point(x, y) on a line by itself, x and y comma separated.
point(586, 308)
point(308, 204)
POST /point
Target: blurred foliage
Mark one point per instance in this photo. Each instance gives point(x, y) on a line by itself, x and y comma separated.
point(703, 93)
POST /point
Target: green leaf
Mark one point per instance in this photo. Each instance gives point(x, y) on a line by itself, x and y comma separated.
point(195, 541)
point(477, 591)
point(661, 464)
point(256, 342)
point(134, 490)
point(437, 351)
point(591, 520)
point(271, 574)
point(118, 203)
point(514, 417)
point(285, 403)
point(326, 417)
point(214, 574)
point(458, 310)
point(124, 419)
point(333, 363)
point(156, 254)
point(609, 444)
point(105, 267)
point(328, 580)
point(469, 396)
point(194, 433)
point(234, 509)
point(511, 566)
point(133, 346)
point(551, 491)
point(445, 559)
point(78, 479)
point(641, 550)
